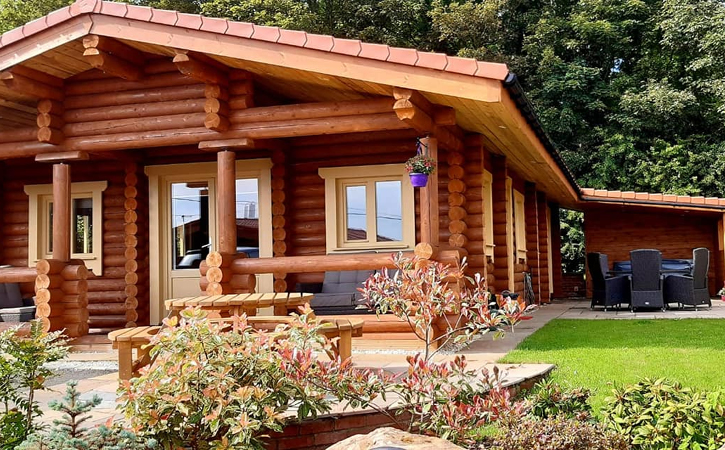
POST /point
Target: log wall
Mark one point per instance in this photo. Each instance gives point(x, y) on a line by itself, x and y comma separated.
point(107, 292)
point(544, 243)
point(615, 231)
point(477, 261)
point(532, 237)
point(305, 199)
point(501, 226)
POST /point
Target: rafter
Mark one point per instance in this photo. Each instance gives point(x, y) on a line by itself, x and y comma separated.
point(113, 57)
point(193, 66)
point(33, 83)
point(415, 110)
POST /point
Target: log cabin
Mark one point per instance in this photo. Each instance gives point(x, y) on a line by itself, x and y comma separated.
point(149, 154)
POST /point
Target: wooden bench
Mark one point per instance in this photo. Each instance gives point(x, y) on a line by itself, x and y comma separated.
point(339, 331)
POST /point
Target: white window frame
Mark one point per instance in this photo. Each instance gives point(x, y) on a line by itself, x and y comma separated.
point(520, 222)
point(39, 196)
point(337, 178)
point(488, 213)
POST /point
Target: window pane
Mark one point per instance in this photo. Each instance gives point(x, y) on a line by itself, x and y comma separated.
point(82, 238)
point(247, 193)
point(355, 210)
point(389, 210)
point(189, 223)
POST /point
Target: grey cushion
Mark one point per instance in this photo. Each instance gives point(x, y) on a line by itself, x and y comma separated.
point(20, 314)
point(10, 296)
point(348, 281)
point(332, 300)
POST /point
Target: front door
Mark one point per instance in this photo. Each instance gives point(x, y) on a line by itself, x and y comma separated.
point(182, 200)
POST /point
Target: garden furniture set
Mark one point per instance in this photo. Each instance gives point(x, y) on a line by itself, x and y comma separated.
point(339, 331)
point(648, 281)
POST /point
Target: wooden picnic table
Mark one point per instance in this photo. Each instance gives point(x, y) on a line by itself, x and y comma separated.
point(241, 303)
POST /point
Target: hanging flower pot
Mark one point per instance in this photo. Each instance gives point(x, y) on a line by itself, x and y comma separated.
point(418, 180)
point(419, 167)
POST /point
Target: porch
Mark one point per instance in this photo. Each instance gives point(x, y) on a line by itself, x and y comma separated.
point(93, 149)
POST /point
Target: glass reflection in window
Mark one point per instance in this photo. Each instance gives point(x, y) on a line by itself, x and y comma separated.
point(389, 210)
point(356, 213)
point(190, 224)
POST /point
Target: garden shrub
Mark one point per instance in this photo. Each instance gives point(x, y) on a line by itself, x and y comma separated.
point(67, 433)
point(658, 414)
point(443, 306)
point(211, 387)
point(548, 399)
point(23, 372)
point(555, 433)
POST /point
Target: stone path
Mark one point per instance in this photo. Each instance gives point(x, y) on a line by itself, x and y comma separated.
point(580, 310)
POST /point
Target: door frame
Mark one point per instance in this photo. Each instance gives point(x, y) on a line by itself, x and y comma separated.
point(160, 178)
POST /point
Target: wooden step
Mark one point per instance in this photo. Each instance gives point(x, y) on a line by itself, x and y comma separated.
point(107, 321)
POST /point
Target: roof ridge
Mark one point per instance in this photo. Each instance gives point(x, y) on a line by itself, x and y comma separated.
point(659, 197)
point(246, 30)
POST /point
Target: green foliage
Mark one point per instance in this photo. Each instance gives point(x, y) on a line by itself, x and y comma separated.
point(67, 433)
point(23, 371)
point(658, 414)
point(420, 164)
point(572, 241)
point(213, 387)
point(16, 13)
point(548, 399)
point(556, 433)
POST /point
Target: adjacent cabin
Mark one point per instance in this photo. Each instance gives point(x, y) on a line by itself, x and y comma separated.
point(149, 154)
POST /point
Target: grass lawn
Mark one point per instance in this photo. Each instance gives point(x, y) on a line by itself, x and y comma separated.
point(596, 353)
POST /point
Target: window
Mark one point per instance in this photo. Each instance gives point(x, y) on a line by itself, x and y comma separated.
point(86, 223)
point(520, 223)
point(368, 208)
point(488, 212)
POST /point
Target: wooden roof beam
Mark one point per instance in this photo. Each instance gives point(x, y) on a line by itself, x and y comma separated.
point(411, 107)
point(113, 57)
point(61, 157)
point(33, 83)
point(227, 144)
point(194, 67)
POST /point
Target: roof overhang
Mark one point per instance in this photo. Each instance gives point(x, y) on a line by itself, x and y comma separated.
point(475, 89)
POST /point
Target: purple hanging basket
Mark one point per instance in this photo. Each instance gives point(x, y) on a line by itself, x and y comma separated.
point(418, 180)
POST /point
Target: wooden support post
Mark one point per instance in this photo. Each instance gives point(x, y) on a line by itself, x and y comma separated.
point(429, 217)
point(61, 212)
point(226, 201)
point(532, 238)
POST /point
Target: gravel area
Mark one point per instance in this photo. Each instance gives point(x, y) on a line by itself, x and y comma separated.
point(80, 370)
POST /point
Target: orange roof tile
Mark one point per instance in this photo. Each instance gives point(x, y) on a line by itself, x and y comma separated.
point(594, 195)
point(353, 47)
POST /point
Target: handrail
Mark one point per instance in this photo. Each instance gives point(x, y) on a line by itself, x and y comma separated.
point(315, 263)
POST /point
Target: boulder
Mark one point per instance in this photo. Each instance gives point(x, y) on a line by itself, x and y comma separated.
point(393, 439)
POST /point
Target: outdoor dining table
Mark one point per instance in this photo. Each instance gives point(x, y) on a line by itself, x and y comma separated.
point(241, 303)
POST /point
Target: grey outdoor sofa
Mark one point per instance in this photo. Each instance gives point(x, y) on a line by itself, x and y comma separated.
point(13, 307)
point(338, 293)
